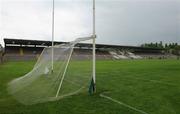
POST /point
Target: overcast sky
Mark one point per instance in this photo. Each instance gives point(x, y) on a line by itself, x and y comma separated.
point(122, 22)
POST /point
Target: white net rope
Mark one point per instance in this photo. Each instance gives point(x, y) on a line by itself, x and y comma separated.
point(71, 74)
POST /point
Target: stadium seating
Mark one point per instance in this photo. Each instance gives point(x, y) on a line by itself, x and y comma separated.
point(18, 49)
point(32, 53)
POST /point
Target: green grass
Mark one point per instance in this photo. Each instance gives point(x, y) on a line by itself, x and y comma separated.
point(149, 85)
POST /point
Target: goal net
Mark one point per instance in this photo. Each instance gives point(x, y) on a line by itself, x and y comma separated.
point(71, 74)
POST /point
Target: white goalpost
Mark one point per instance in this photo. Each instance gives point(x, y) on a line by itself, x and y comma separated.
point(60, 71)
point(52, 35)
point(94, 47)
point(93, 52)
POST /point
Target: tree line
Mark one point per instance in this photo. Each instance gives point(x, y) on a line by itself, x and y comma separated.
point(173, 48)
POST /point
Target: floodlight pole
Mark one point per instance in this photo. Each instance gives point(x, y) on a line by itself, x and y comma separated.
point(52, 37)
point(94, 47)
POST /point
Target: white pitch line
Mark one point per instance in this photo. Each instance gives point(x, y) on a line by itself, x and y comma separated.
point(155, 81)
point(123, 104)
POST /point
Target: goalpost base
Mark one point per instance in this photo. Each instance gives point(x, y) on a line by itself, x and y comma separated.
point(92, 87)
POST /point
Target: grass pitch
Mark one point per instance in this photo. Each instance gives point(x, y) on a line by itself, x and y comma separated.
point(151, 86)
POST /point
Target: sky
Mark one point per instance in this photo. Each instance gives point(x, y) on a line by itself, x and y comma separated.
point(119, 22)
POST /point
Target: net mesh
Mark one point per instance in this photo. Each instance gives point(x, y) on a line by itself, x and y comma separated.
point(72, 72)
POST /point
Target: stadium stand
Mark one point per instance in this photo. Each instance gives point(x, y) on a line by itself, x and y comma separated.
point(118, 55)
point(20, 49)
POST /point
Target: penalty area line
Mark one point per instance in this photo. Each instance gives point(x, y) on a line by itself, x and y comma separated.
point(123, 104)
